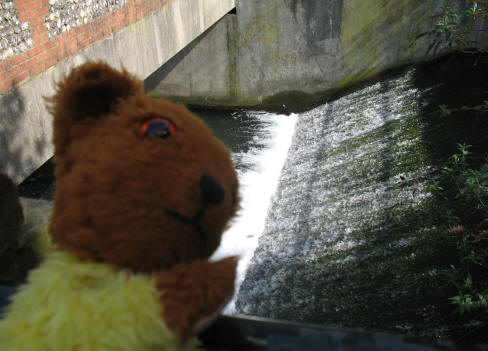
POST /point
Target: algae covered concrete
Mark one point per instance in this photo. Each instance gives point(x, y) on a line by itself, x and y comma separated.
point(377, 34)
point(293, 54)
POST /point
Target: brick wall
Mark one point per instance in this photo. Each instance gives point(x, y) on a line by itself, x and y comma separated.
point(52, 38)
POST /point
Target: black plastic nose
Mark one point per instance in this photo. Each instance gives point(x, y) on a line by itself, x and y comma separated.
point(211, 189)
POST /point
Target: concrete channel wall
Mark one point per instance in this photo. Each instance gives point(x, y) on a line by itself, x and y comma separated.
point(140, 38)
point(290, 54)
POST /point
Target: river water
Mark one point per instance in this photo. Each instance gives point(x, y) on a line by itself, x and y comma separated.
point(352, 238)
point(260, 142)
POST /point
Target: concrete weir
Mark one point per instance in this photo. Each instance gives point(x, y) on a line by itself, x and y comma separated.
point(140, 36)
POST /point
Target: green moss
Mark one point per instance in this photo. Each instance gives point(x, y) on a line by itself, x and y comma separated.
point(233, 50)
point(367, 29)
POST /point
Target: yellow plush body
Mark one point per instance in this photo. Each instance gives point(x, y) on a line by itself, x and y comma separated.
point(143, 194)
point(69, 304)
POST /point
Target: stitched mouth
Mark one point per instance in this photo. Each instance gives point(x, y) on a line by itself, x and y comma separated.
point(212, 194)
point(193, 222)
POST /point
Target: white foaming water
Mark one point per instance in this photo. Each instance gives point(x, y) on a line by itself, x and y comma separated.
point(257, 186)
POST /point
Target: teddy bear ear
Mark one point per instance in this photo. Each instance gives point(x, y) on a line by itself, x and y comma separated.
point(91, 90)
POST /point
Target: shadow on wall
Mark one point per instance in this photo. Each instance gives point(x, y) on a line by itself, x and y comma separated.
point(151, 82)
point(321, 20)
point(21, 144)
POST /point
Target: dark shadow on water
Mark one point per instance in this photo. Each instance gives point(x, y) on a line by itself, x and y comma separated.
point(235, 128)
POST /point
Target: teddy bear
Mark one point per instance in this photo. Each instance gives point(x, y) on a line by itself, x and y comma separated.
point(21, 224)
point(143, 194)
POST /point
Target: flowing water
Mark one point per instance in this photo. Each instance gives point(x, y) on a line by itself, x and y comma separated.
point(260, 143)
point(348, 237)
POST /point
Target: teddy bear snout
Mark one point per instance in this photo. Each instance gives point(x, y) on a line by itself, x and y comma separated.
point(212, 191)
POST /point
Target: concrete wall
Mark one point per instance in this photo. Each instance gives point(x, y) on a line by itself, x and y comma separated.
point(290, 54)
point(205, 71)
point(141, 46)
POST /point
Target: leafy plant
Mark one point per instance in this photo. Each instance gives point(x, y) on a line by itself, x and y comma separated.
point(464, 191)
point(470, 296)
point(464, 197)
point(456, 25)
point(446, 111)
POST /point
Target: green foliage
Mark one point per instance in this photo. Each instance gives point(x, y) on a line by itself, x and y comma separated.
point(464, 199)
point(444, 110)
point(470, 186)
point(471, 295)
point(455, 25)
point(462, 190)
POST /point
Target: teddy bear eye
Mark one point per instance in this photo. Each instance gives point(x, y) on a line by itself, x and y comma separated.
point(158, 127)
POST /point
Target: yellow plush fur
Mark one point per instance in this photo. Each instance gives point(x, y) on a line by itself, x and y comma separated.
point(50, 313)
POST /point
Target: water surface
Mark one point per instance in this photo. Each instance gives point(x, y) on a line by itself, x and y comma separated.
point(352, 239)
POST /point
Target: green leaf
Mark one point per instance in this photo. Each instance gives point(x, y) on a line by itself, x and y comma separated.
point(482, 299)
point(484, 169)
point(444, 110)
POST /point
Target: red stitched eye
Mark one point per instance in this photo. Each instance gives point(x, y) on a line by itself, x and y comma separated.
point(158, 127)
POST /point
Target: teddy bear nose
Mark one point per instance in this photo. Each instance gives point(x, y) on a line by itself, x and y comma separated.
point(211, 189)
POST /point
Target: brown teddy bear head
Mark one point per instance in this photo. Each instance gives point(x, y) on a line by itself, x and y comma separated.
point(141, 182)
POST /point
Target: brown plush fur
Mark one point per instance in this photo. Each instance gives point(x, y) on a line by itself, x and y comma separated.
point(195, 291)
point(126, 198)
